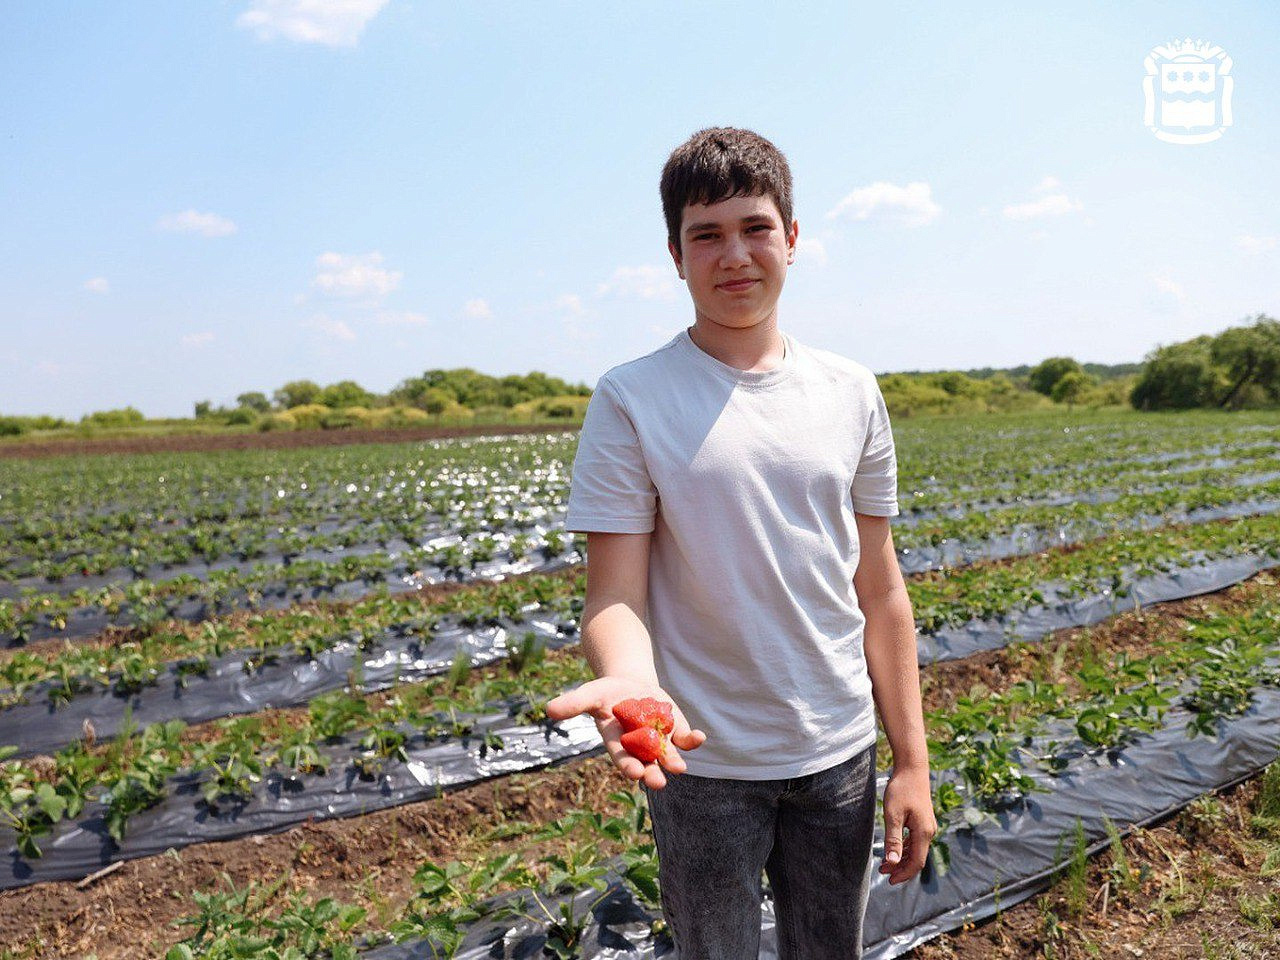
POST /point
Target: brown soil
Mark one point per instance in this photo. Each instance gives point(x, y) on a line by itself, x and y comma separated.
point(1200, 885)
point(370, 860)
point(287, 439)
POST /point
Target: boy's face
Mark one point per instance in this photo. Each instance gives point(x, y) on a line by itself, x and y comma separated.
point(741, 238)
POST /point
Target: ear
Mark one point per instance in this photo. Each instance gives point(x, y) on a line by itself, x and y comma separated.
point(675, 256)
point(791, 241)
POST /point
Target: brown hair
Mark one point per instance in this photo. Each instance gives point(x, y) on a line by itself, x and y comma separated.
point(718, 163)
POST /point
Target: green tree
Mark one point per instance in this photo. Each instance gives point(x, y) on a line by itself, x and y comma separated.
point(1249, 355)
point(1178, 377)
point(1045, 375)
point(1071, 387)
point(295, 393)
point(254, 400)
point(345, 393)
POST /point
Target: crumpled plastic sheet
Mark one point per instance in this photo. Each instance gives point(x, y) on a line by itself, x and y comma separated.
point(1027, 540)
point(1022, 541)
point(38, 727)
point(993, 867)
point(89, 621)
point(911, 517)
point(1034, 623)
point(78, 848)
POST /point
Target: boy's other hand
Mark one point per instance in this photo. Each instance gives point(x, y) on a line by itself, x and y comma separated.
point(598, 697)
point(908, 802)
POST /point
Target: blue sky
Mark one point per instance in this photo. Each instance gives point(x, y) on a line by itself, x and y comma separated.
point(199, 199)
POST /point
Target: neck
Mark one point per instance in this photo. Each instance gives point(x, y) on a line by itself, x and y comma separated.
point(758, 348)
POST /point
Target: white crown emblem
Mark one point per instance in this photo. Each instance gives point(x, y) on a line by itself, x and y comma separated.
point(1188, 91)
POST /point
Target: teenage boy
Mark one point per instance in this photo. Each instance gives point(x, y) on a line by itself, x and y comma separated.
point(735, 488)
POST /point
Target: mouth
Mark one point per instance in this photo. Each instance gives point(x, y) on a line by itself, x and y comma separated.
point(737, 285)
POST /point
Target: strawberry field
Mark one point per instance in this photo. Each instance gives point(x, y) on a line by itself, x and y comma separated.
point(290, 703)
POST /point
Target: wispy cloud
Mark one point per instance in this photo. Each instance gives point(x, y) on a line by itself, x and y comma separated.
point(911, 205)
point(1251, 244)
point(331, 328)
point(477, 309)
point(1166, 284)
point(1050, 202)
point(47, 368)
point(193, 221)
point(646, 282)
point(361, 275)
point(200, 339)
point(97, 285)
point(577, 322)
point(811, 251)
point(403, 318)
point(333, 23)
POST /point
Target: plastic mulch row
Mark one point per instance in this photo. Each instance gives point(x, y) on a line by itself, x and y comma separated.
point(993, 867)
point(79, 848)
point(37, 726)
point(1023, 541)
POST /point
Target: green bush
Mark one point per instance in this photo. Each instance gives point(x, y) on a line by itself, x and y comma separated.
point(241, 416)
point(124, 417)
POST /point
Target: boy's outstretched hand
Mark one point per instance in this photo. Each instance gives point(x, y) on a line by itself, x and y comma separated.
point(598, 697)
point(908, 802)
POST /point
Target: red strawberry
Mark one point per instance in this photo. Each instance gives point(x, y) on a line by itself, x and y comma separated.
point(645, 744)
point(646, 712)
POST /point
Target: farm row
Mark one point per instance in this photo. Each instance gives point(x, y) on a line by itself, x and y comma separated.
point(1172, 687)
point(220, 706)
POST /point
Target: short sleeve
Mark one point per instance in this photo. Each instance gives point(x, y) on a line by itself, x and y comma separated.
point(610, 490)
point(875, 482)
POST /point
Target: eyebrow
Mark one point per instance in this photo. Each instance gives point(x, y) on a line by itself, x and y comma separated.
point(708, 225)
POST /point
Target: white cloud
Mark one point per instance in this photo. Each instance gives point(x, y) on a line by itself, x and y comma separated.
point(97, 285)
point(334, 23)
point(342, 275)
point(197, 339)
point(334, 329)
point(912, 205)
point(1053, 202)
point(477, 309)
point(403, 318)
point(811, 250)
point(577, 322)
point(193, 221)
point(1167, 285)
point(47, 368)
point(647, 282)
point(1251, 244)
point(570, 304)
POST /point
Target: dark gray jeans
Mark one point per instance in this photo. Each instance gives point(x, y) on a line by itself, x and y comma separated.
point(812, 835)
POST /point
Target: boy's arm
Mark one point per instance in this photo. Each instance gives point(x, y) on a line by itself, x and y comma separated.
point(616, 642)
point(615, 639)
point(889, 645)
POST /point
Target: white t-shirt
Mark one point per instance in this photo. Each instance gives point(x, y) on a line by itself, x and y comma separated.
point(749, 481)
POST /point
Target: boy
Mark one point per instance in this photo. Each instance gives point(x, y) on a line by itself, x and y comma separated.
point(735, 487)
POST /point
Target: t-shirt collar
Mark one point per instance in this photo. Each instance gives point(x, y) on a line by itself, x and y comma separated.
point(751, 378)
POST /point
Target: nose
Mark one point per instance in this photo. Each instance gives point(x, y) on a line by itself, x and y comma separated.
point(735, 253)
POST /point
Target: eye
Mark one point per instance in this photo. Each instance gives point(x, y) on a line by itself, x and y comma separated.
point(763, 226)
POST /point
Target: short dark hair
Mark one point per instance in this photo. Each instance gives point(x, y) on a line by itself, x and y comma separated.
point(718, 163)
